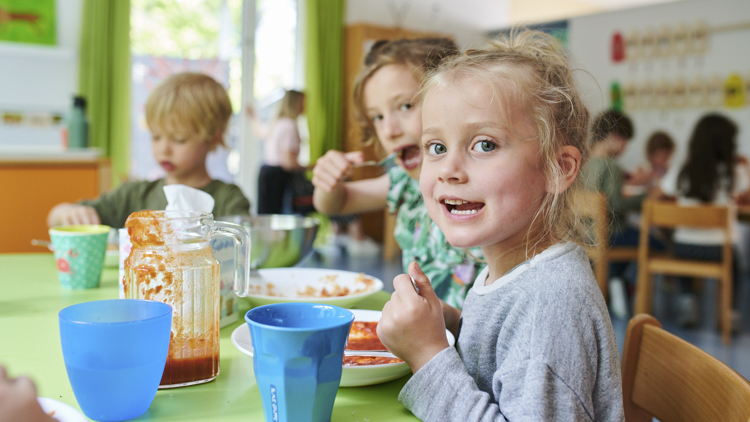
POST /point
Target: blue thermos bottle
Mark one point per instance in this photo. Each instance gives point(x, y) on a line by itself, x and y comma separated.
point(78, 125)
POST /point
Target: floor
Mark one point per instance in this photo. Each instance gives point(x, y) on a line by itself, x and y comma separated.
point(705, 335)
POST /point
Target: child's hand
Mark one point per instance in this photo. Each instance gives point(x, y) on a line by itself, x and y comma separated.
point(332, 169)
point(412, 325)
point(18, 400)
point(640, 177)
point(67, 214)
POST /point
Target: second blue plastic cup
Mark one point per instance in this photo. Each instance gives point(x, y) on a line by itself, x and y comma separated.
point(115, 352)
point(298, 349)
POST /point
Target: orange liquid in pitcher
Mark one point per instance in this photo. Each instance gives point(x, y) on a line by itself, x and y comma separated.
point(187, 278)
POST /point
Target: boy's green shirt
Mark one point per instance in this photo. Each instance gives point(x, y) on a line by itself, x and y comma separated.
point(115, 207)
point(605, 175)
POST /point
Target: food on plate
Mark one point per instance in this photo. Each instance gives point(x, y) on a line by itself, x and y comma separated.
point(326, 286)
point(369, 360)
point(363, 336)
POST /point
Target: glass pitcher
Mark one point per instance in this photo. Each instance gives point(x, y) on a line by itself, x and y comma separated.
point(171, 261)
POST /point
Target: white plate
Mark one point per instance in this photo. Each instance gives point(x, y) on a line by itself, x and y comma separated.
point(63, 412)
point(288, 283)
point(351, 376)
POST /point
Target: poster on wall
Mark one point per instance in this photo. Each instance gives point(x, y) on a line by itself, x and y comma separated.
point(558, 29)
point(28, 21)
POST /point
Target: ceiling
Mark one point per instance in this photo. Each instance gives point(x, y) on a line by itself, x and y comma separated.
point(534, 11)
point(479, 15)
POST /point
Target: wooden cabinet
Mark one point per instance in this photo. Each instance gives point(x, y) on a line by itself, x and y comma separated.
point(30, 187)
point(358, 40)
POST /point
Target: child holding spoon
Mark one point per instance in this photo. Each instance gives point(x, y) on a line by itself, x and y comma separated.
point(504, 137)
point(384, 106)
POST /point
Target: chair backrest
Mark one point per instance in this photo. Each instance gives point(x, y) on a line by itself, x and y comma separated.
point(667, 378)
point(669, 214)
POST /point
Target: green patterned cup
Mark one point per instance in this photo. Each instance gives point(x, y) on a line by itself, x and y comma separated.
point(79, 254)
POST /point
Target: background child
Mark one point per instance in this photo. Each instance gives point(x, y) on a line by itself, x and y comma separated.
point(659, 150)
point(187, 115)
point(711, 174)
point(384, 106)
point(610, 133)
point(280, 154)
point(504, 137)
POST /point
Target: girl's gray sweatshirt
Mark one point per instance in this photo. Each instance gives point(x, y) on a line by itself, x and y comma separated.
point(535, 345)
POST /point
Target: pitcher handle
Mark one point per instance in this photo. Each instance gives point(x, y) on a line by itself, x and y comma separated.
point(241, 263)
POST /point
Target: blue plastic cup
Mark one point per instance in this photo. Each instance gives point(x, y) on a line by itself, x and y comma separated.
point(298, 349)
point(115, 352)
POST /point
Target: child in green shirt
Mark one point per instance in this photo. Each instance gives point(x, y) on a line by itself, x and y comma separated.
point(187, 115)
point(388, 115)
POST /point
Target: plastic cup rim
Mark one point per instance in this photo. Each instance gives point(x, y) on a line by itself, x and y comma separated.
point(96, 229)
point(167, 310)
point(338, 323)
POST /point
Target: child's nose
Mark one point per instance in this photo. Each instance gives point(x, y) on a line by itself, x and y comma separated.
point(164, 148)
point(452, 170)
point(392, 127)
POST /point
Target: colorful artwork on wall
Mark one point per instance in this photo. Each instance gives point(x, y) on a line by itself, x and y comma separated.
point(28, 21)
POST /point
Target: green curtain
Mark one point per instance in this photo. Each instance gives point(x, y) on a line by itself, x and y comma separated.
point(324, 75)
point(104, 79)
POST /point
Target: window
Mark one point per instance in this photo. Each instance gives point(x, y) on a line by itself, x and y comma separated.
point(172, 36)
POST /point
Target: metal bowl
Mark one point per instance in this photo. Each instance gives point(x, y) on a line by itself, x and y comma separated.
point(278, 240)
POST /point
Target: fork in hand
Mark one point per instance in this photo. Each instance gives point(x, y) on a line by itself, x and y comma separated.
point(382, 162)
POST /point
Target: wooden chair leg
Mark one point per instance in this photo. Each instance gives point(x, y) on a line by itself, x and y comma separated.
point(643, 292)
point(725, 289)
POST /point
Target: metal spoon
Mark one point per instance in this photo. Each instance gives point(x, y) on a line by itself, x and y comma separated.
point(382, 162)
point(43, 243)
point(375, 353)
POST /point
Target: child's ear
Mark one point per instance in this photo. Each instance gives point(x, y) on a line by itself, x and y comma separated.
point(569, 163)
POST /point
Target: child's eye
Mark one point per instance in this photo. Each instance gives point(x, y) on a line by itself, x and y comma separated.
point(484, 146)
point(405, 107)
point(180, 141)
point(436, 149)
point(376, 118)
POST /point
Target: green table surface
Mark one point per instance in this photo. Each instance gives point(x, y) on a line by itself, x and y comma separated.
point(31, 297)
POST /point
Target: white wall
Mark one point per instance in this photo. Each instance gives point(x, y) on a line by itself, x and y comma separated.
point(40, 79)
point(43, 78)
point(589, 40)
point(466, 20)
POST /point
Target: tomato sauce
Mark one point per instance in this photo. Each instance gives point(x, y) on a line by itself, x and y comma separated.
point(364, 336)
point(179, 371)
point(369, 360)
point(160, 267)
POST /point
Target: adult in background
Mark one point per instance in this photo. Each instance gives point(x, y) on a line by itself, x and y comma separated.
point(280, 153)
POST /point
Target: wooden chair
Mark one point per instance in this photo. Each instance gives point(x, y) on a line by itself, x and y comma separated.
point(593, 205)
point(671, 215)
point(667, 378)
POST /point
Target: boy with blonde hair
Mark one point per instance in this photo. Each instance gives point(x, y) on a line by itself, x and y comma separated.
point(187, 115)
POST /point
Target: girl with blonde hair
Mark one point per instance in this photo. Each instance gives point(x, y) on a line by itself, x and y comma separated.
point(504, 137)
